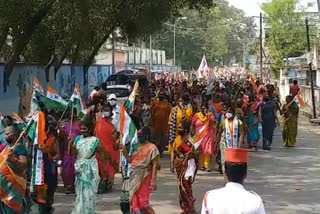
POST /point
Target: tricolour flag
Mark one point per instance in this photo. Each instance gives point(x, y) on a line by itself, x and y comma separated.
point(54, 100)
point(129, 104)
point(198, 137)
point(77, 102)
point(38, 93)
point(37, 86)
point(203, 68)
point(18, 120)
point(36, 132)
point(298, 100)
point(129, 137)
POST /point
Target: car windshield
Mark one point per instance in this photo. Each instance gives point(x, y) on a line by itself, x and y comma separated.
point(119, 92)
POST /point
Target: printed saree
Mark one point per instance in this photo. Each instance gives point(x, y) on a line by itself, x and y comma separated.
point(87, 175)
point(186, 199)
point(12, 185)
point(141, 176)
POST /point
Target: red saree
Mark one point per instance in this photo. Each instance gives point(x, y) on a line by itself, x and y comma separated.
point(107, 157)
point(140, 178)
point(186, 199)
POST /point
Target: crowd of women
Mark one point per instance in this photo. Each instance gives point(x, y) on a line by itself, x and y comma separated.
point(194, 121)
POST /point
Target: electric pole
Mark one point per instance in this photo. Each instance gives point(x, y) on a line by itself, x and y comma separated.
point(150, 53)
point(318, 4)
point(310, 70)
point(174, 45)
point(113, 54)
point(261, 64)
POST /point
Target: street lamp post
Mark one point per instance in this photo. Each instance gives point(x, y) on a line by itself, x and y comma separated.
point(174, 40)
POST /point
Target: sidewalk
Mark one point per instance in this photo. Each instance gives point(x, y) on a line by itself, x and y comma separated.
point(287, 179)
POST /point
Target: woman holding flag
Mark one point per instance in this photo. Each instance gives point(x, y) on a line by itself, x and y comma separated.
point(70, 131)
point(290, 122)
point(184, 160)
point(13, 176)
point(204, 130)
point(143, 177)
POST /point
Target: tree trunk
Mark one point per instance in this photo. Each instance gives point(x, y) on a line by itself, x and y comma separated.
point(24, 39)
point(90, 58)
point(75, 54)
point(3, 36)
point(58, 65)
point(48, 66)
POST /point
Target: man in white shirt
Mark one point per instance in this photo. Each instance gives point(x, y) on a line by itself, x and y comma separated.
point(233, 198)
point(112, 99)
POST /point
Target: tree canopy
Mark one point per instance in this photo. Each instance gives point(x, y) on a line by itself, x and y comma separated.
point(221, 32)
point(285, 30)
point(50, 31)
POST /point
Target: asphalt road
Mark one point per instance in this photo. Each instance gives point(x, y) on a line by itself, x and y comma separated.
point(287, 179)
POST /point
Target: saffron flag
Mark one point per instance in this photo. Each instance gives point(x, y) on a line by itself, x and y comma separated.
point(54, 100)
point(203, 68)
point(253, 82)
point(77, 102)
point(128, 138)
point(36, 132)
point(129, 104)
point(298, 100)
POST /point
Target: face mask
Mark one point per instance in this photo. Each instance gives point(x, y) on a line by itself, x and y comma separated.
point(113, 102)
point(106, 114)
point(229, 115)
point(142, 139)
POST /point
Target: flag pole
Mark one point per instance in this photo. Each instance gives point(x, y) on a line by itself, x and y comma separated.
point(69, 137)
point(20, 136)
point(63, 114)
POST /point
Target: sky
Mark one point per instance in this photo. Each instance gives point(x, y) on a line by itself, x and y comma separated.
point(252, 7)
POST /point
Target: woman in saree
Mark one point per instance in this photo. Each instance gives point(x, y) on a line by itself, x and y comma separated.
point(253, 134)
point(13, 176)
point(178, 113)
point(290, 122)
point(143, 177)
point(107, 155)
point(184, 160)
point(70, 131)
point(87, 172)
point(203, 126)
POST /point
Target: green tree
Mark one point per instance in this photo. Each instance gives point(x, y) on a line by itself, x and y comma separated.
point(220, 32)
point(285, 33)
point(50, 31)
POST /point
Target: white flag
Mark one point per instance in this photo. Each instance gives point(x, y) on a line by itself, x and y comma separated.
point(202, 68)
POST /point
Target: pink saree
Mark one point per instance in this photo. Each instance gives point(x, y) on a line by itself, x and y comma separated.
point(208, 140)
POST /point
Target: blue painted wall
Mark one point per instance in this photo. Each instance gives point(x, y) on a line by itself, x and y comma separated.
point(67, 77)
